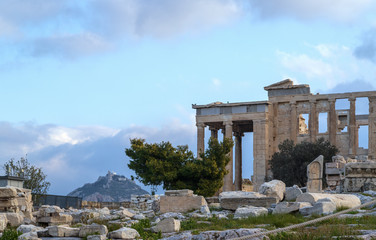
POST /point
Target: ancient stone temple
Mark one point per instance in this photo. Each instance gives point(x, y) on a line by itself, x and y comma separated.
point(291, 112)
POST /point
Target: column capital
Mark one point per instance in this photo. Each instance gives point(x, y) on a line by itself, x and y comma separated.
point(202, 125)
point(352, 99)
point(372, 98)
point(238, 134)
point(313, 101)
point(226, 123)
point(331, 100)
point(211, 128)
point(293, 102)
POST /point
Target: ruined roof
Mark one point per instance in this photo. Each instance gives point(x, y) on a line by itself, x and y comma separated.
point(285, 84)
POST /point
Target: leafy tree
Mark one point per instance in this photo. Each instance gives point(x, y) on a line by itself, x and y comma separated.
point(35, 178)
point(290, 163)
point(177, 168)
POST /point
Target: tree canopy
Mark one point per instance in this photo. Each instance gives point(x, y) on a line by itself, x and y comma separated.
point(290, 163)
point(177, 168)
point(35, 178)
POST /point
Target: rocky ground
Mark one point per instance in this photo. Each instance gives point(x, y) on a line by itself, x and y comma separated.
point(235, 214)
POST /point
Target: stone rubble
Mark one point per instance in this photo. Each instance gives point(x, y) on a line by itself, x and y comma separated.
point(52, 222)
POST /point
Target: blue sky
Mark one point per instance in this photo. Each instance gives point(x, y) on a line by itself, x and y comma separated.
point(79, 78)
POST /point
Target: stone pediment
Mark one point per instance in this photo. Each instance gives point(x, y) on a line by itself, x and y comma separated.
point(286, 87)
point(285, 84)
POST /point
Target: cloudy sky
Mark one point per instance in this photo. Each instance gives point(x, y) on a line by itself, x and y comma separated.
point(79, 78)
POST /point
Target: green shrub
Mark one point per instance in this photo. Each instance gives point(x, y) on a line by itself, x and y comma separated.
point(10, 234)
point(146, 234)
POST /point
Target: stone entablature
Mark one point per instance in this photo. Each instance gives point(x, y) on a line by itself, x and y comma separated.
point(291, 112)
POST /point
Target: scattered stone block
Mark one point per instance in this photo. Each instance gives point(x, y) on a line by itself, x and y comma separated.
point(319, 208)
point(250, 211)
point(289, 207)
point(3, 222)
point(292, 193)
point(92, 229)
point(234, 199)
point(181, 201)
point(274, 188)
point(340, 200)
point(62, 231)
point(29, 228)
point(29, 236)
point(167, 225)
point(14, 219)
point(124, 233)
point(315, 173)
point(96, 237)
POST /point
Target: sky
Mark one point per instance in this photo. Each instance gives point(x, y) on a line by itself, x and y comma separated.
point(80, 78)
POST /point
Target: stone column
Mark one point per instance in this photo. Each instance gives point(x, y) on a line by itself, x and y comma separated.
point(213, 132)
point(352, 129)
point(228, 181)
point(294, 122)
point(332, 127)
point(238, 161)
point(372, 128)
point(313, 121)
point(260, 152)
point(200, 138)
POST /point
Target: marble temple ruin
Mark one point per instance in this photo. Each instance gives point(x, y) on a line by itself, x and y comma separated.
point(291, 112)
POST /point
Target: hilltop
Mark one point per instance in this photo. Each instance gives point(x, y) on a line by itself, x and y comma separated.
point(109, 188)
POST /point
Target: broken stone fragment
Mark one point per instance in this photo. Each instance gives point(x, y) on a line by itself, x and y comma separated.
point(274, 188)
point(124, 233)
point(167, 225)
point(250, 211)
point(62, 231)
point(92, 229)
point(235, 199)
point(319, 208)
point(289, 207)
point(292, 193)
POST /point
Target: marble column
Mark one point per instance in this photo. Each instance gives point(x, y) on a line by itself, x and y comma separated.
point(294, 122)
point(372, 128)
point(260, 152)
point(352, 129)
point(332, 126)
point(238, 161)
point(200, 138)
point(228, 180)
point(313, 121)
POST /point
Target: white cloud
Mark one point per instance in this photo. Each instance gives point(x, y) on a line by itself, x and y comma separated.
point(83, 153)
point(337, 10)
point(305, 64)
point(325, 50)
point(161, 18)
point(328, 66)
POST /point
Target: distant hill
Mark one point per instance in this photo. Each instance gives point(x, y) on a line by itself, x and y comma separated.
point(110, 188)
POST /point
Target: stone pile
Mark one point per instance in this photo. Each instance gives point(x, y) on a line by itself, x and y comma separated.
point(145, 202)
point(74, 224)
point(52, 215)
point(16, 200)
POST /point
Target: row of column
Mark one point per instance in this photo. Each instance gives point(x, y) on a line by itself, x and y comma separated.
point(332, 124)
point(260, 153)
